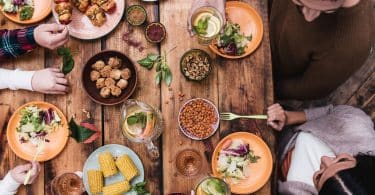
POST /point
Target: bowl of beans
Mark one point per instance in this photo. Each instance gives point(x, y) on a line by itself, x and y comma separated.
point(198, 119)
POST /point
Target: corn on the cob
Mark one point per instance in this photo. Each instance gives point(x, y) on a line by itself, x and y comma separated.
point(116, 188)
point(126, 167)
point(95, 178)
point(107, 164)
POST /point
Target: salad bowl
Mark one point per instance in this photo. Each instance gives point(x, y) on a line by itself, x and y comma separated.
point(257, 171)
point(250, 22)
point(42, 8)
point(55, 141)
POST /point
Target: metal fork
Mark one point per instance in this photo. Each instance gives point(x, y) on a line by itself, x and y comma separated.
point(39, 149)
point(227, 116)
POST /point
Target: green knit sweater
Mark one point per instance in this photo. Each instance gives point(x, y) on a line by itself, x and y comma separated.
point(311, 59)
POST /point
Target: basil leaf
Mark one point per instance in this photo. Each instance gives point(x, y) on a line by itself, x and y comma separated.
point(132, 120)
point(146, 62)
point(68, 64)
point(158, 66)
point(168, 77)
point(152, 57)
point(61, 51)
point(158, 77)
point(79, 133)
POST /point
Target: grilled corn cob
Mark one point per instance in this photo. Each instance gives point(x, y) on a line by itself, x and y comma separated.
point(95, 181)
point(107, 164)
point(116, 188)
point(127, 167)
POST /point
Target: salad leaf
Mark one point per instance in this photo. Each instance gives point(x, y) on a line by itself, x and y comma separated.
point(140, 189)
point(232, 41)
point(79, 133)
point(26, 12)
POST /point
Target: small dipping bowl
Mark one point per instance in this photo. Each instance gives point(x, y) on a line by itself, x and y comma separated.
point(214, 127)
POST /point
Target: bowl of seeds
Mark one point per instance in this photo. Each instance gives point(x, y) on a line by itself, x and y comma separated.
point(198, 119)
point(195, 65)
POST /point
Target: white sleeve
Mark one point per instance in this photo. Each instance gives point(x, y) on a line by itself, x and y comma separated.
point(16, 79)
point(8, 186)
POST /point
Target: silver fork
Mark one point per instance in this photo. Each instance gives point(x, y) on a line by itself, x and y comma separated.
point(227, 116)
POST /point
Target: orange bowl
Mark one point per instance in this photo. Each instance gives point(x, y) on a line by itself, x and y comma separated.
point(260, 171)
point(42, 8)
point(251, 24)
point(26, 151)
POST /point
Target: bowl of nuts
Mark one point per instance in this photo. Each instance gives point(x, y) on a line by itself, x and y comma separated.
point(109, 77)
point(195, 64)
point(198, 119)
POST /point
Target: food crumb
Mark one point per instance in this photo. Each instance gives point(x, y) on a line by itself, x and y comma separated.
point(166, 102)
point(180, 143)
point(88, 115)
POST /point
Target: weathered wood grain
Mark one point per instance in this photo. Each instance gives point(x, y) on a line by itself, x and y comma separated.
point(146, 91)
point(31, 61)
point(174, 14)
point(245, 87)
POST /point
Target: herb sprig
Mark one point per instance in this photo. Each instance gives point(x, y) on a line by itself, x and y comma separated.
point(140, 189)
point(68, 61)
point(202, 26)
point(163, 73)
point(139, 117)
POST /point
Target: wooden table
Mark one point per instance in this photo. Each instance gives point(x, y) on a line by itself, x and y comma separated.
point(241, 86)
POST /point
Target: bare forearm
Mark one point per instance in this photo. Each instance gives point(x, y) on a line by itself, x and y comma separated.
point(295, 118)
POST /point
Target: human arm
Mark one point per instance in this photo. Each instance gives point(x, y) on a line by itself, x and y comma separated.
point(15, 177)
point(278, 117)
point(14, 43)
point(49, 81)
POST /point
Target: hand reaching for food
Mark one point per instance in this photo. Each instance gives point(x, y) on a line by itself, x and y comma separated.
point(51, 36)
point(218, 4)
point(50, 81)
point(19, 172)
point(276, 117)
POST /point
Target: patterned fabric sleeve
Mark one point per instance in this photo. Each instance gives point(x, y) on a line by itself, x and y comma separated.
point(16, 42)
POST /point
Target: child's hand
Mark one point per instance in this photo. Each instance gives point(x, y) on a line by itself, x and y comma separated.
point(276, 117)
point(51, 36)
point(50, 81)
point(19, 172)
point(218, 4)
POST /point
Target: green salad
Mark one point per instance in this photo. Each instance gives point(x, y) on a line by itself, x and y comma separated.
point(25, 8)
point(232, 41)
point(36, 123)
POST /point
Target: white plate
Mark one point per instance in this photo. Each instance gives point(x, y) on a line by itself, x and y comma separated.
point(92, 162)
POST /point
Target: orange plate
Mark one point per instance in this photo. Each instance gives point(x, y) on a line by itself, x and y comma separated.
point(260, 171)
point(251, 24)
point(82, 28)
point(57, 139)
point(42, 8)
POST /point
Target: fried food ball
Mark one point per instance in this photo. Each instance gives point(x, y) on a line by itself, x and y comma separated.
point(109, 82)
point(98, 65)
point(115, 74)
point(82, 5)
point(115, 91)
point(96, 15)
point(114, 62)
point(106, 71)
point(100, 83)
point(122, 83)
point(94, 75)
point(105, 92)
point(126, 73)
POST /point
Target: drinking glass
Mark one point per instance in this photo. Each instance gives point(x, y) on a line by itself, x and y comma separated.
point(213, 21)
point(142, 134)
point(200, 188)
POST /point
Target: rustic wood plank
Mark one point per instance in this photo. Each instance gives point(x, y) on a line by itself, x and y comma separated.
point(74, 155)
point(173, 15)
point(31, 61)
point(146, 91)
point(251, 90)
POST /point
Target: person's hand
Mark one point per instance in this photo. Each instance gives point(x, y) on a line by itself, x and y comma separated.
point(218, 4)
point(51, 36)
point(19, 172)
point(50, 81)
point(276, 117)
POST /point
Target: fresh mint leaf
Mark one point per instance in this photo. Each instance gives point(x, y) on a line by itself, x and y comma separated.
point(140, 189)
point(167, 77)
point(202, 25)
point(153, 57)
point(158, 78)
point(139, 117)
point(132, 120)
point(68, 61)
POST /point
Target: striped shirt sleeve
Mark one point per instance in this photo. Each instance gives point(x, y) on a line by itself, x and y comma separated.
point(16, 42)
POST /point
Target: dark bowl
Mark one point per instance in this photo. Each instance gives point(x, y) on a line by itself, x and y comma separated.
point(200, 52)
point(90, 86)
